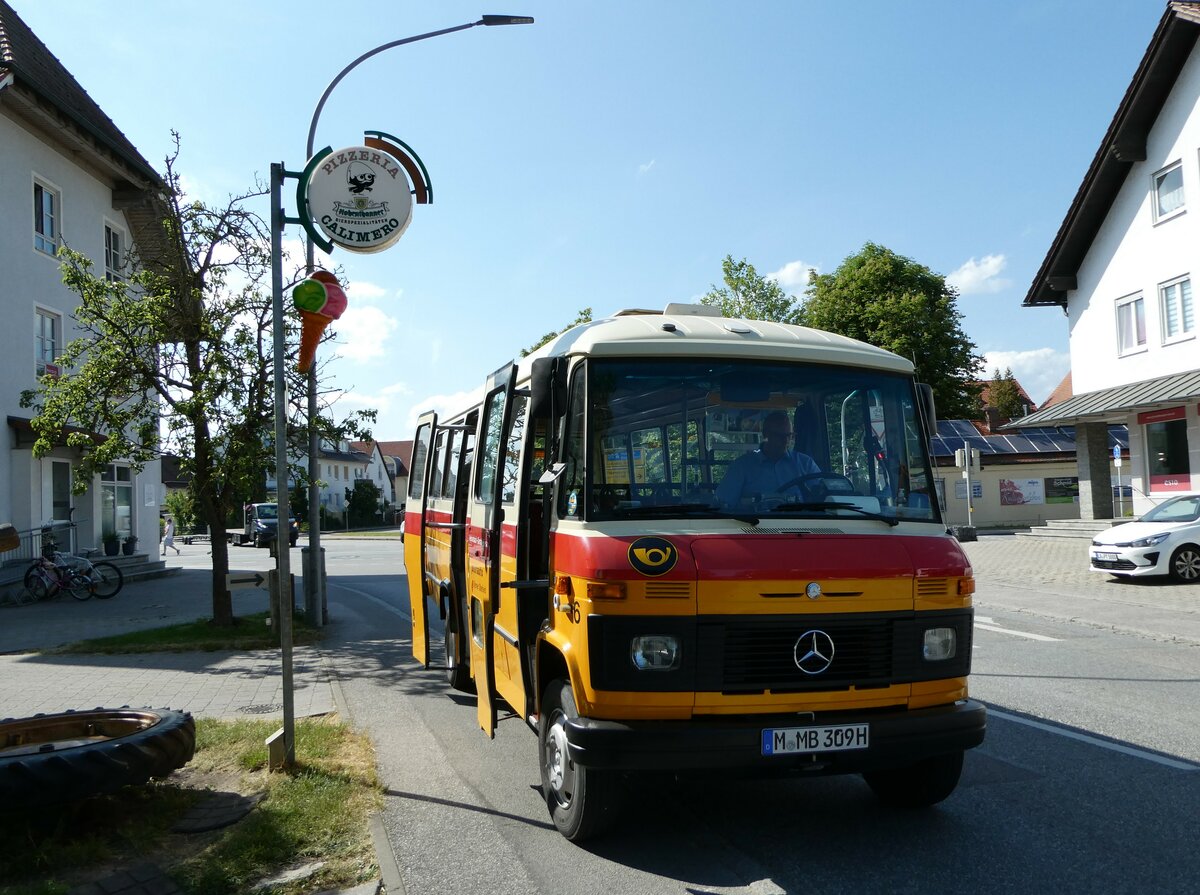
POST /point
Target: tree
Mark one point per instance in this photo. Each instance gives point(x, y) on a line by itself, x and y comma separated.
point(747, 294)
point(363, 503)
point(1004, 396)
point(178, 357)
point(180, 505)
point(890, 301)
point(583, 316)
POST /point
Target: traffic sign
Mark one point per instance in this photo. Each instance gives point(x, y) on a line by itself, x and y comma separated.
point(238, 580)
point(1116, 452)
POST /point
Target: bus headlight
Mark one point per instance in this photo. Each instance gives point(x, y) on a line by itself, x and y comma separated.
point(654, 652)
point(940, 644)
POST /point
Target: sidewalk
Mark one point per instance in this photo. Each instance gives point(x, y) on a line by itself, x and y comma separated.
point(207, 684)
point(1049, 578)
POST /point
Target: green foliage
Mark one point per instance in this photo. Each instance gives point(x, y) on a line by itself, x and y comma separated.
point(1004, 397)
point(363, 504)
point(747, 294)
point(180, 505)
point(298, 504)
point(583, 316)
point(890, 301)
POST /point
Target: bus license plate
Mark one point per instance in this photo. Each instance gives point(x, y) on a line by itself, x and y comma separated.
point(797, 740)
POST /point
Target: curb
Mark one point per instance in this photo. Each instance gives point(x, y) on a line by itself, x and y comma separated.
point(385, 857)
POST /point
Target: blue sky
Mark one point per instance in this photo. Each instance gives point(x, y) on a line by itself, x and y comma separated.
point(610, 155)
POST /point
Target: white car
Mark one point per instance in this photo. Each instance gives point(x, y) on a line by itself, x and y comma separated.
point(1166, 541)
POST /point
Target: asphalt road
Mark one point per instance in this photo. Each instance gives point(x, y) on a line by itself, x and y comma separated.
point(1087, 779)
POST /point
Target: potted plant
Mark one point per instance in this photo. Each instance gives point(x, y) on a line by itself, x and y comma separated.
point(112, 545)
point(129, 545)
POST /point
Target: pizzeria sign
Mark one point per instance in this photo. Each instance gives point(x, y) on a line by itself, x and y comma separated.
point(361, 197)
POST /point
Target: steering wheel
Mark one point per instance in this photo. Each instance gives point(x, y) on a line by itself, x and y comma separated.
point(819, 485)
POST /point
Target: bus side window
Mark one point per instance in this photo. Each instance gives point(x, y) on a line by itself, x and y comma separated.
point(574, 449)
point(439, 461)
point(512, 450)
point(416, 478)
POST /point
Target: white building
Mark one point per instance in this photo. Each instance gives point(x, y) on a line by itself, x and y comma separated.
point(1122, 268)
point(69, 177)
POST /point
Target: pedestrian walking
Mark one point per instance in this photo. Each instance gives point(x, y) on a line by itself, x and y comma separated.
point(169, 537)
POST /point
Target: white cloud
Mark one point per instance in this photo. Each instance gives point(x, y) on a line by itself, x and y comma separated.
point(363, 332)
point(451, 403)
point(980, 277)
point(645, 168)
point(1039, 370)
point(793, 276)
point(361, 290)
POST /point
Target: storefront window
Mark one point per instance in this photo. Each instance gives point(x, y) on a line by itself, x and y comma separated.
point(1167, 454)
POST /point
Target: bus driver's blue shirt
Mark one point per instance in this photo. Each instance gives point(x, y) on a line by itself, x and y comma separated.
point(755, 474)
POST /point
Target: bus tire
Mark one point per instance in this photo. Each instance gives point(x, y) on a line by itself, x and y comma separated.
point(583, 802)
point(918, 785)
point(71, 755)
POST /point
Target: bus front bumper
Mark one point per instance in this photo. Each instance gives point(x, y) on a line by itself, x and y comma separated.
point(896, 738)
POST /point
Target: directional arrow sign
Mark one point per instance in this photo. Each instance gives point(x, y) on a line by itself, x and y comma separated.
point(237, 580)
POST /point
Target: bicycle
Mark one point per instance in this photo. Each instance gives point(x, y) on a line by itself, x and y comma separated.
point(54, 571)
point(45, 579)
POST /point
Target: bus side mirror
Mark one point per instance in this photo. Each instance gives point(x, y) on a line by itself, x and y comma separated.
point(928, 409)
point(548, 387)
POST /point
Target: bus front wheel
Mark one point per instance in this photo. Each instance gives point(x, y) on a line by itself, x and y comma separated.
point(583, 802)
point(917, 785)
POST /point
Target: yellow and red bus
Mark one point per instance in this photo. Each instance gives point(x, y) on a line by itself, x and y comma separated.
point(571, 530)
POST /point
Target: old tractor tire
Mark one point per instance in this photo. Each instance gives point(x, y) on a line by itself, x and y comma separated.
point(63, 757)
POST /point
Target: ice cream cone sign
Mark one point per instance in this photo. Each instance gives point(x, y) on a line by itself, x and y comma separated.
point(320, 300)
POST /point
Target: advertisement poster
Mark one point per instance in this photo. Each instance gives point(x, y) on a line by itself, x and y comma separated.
point(1017, 492)
point(1062, 489)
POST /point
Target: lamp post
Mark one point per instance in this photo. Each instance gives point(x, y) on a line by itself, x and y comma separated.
point(315, 601)
point(314, 585)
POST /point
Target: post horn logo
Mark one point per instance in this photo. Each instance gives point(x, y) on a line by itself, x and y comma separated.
point(653, 556)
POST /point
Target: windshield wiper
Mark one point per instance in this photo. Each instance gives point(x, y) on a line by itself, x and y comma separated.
point(890, 520)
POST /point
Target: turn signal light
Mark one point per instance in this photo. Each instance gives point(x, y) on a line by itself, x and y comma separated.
point(966, 587)
point(562, 586)
point(606, 590)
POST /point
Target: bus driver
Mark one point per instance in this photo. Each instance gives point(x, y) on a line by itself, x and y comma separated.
point(765, 470)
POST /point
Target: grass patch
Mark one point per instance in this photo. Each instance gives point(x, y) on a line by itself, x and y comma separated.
point(317, 811)
point(248, 633)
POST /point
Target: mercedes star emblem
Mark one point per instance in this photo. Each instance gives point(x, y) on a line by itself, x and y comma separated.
point(813, 652)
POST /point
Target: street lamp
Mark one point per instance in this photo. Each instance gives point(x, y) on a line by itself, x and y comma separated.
point(314, 594)
point(314, 584)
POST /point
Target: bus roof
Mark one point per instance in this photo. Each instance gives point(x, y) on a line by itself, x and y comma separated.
point(699, 330)
point(690, 330)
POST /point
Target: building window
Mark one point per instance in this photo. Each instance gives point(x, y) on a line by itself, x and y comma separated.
point(47, 330)
point(1175, 305)
point(45, 218)
point(1131, 325)
point(114, 254)
point(1168, 192)
point(1167, 451)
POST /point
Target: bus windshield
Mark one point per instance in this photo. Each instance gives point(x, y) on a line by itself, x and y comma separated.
point(744, 439)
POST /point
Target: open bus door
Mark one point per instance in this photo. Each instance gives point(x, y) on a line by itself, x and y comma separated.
point(483, 537)
point(414, 535)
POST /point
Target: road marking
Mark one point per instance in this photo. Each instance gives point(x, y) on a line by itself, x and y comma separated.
point(381, 603)
point(983, 623)
point(1175, 763)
